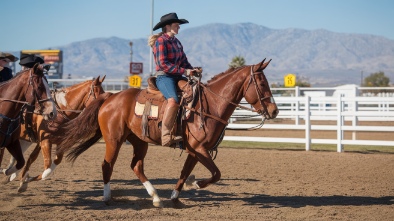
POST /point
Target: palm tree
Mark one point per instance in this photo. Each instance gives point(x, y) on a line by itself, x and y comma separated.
point(237, 61)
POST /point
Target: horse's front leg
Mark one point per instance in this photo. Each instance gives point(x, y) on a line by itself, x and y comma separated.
point(14, 148)
point(188, 167)
point(49, 166)
point(24, 177)
point(137, 165)
point(24, 146)
point(201, 155)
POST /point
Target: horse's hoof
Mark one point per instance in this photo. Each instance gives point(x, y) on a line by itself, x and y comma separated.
point(177, 204)
point(108, 202)
point(189, 182)
point(23, 187)
point(158, 204)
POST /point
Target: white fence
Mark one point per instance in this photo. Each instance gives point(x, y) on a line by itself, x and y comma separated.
point(344, 103)
point(325, 108)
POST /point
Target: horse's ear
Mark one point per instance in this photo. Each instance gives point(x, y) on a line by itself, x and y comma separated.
point(102, 78)
point(258, 66)
point(96, 80)
point(264, 65)
point(35, 67)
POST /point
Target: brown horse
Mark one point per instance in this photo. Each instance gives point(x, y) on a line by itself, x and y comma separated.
point(70, 102)
point(201, 131)
point(16, 96)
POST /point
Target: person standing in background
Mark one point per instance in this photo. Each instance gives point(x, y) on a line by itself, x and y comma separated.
point(5, 71)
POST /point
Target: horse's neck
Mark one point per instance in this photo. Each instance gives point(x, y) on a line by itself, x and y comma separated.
point(226, 91)
point(73, 98)
point(14, 89)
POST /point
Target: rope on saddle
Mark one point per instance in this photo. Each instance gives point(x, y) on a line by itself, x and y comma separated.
point(144, 121)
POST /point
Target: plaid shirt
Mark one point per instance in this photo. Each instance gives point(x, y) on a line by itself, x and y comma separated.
point(169, 55)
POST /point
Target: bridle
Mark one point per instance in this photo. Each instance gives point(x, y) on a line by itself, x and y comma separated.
point(263, 112)
point(37, 98)
point(261, 98)
point(92, 92)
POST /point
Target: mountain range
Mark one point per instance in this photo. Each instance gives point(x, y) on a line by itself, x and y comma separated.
point(321, 57)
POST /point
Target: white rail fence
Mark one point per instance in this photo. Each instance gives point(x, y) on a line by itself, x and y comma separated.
point(325, 108)
point(344, 103)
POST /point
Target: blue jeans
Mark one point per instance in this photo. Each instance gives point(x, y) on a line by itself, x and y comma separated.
point(167, 85)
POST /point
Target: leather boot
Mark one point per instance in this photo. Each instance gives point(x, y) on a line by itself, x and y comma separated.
point(167, 133)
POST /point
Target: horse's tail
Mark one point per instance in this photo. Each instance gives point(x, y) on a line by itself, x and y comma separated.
point(79, 134)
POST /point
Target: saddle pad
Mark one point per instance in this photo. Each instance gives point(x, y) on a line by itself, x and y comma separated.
point(153, 113)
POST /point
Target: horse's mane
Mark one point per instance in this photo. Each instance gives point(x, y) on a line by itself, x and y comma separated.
point(220, 75)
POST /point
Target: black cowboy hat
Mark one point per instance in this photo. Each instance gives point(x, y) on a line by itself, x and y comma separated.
point(7, 56)
point(169, 19)
point(29, 60)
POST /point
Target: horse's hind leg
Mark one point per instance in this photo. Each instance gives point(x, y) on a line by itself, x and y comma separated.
point(137, 165)
point(111, 154)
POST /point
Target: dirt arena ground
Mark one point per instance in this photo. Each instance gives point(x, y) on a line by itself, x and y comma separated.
point(256, 184)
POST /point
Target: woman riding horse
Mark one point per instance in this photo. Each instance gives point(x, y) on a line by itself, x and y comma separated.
point(171, 65)
point(202, 130)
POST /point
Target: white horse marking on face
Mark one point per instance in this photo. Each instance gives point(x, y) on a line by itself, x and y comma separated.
point(61, 99)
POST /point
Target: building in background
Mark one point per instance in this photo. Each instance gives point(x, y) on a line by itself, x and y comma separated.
point(52, 57)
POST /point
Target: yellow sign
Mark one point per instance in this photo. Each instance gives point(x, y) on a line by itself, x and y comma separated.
point(290, 80)
point(135, 81)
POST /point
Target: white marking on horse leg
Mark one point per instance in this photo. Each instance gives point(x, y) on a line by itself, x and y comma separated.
point(107, 192)
point(196, 185)
point(191, 183)
point(174, 194)
point(14, 175)
point(153, 193)
point(48, 171)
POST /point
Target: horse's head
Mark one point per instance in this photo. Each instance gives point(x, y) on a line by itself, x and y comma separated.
point(95, 90)
point(40, 92)
point(257, 92)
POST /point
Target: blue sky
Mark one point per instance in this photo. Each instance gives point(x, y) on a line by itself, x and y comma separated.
point(40, 24)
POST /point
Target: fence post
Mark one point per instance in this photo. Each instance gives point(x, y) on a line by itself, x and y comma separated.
point(307, 123)
point(355, 109)
point(339, 124)
point(297, 108)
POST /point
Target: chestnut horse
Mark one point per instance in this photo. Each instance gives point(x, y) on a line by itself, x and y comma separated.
point(113, 118)
point(17, 95)
point(70, 102)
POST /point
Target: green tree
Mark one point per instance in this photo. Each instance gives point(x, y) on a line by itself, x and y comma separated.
point(237, 61)
point(377, 79)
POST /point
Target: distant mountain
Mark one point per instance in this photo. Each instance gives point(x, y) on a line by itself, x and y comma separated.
point(325, 58)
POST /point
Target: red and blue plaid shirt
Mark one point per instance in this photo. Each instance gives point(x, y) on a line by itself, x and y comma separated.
point(169, 55)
